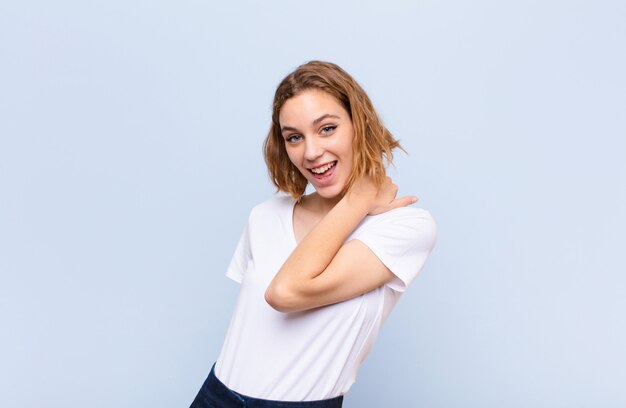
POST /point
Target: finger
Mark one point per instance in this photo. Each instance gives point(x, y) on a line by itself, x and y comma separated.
point(403, 201)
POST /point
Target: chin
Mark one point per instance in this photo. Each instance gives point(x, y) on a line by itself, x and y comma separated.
point(329, 193)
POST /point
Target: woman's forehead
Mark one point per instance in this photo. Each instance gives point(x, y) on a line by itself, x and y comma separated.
point(309, 107)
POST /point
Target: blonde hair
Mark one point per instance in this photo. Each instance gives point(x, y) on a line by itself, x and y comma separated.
point(371, 142)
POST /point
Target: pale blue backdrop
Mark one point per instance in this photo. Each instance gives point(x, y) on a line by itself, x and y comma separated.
point(130, 138)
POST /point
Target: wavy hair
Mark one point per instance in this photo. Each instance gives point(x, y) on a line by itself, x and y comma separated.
point(371, 141)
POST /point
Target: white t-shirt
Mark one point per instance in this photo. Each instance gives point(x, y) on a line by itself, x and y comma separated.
point(313, 354)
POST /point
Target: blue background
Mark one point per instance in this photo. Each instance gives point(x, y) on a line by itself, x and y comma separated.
point(130, 155)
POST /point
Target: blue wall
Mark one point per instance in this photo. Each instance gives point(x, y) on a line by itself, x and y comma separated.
point(130, 137)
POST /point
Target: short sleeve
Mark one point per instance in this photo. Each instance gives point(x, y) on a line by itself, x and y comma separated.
point(242, 255)
point(402, 239)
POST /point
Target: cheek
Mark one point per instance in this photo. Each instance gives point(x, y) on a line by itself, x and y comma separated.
point(344, 147)
point(292, 154)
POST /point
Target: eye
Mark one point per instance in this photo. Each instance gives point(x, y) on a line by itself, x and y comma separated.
point(328, 129)
point(293, 138)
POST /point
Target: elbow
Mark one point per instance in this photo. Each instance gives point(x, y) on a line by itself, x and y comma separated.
point(281, 298)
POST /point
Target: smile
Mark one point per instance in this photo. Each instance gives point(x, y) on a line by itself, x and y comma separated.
point(323, 169)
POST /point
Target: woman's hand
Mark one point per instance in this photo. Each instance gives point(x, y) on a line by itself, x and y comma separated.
point(378, 200)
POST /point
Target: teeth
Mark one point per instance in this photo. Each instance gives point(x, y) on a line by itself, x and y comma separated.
point(323, 169)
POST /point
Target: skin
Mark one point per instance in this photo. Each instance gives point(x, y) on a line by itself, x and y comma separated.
point(324, 269)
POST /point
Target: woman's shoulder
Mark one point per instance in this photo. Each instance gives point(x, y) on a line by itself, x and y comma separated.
point(275, 204)
point(403, 214)
point(278, 200)
point(413, 223)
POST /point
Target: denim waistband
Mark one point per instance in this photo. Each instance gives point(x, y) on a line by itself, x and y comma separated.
point(214, 389)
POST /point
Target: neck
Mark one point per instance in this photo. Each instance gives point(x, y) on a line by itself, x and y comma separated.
point(319, 204)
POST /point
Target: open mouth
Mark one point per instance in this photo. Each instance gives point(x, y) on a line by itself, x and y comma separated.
point(323, 169)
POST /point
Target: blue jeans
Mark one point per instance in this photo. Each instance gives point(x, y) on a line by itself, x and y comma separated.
point(214, 394)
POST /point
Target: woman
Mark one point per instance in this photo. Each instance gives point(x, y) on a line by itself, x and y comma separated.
point(319, 273)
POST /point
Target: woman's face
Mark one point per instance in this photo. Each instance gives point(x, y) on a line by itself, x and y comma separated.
point(318, 138)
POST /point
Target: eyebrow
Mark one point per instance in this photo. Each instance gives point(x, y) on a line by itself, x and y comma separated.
point(315, 122)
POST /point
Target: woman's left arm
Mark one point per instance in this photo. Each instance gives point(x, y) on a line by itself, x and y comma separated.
point(322, 269)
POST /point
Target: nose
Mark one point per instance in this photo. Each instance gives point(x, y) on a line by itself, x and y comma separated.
point(312, 148)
